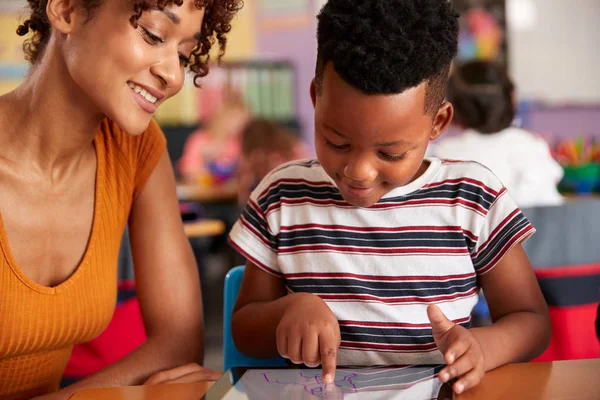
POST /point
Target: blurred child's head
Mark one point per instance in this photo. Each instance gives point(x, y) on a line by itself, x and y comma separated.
point(267, 145)
point(229, 120)
point(382, 68)
point(482, 95)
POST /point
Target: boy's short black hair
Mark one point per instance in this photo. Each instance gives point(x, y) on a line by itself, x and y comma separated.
point(482, 95)
point(388, 46)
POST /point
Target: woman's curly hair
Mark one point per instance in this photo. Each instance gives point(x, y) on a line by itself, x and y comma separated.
point(215, 26)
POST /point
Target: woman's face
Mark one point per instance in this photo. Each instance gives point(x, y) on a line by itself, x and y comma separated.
point(126, 73)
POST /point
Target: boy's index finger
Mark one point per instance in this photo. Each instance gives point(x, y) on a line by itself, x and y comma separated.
point(328, 349)
point(328, 369)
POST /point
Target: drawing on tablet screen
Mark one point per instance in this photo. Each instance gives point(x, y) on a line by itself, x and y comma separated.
point(348, 382)
point(313, 383)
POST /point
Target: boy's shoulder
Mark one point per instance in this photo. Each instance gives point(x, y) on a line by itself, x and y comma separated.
point(469, 172)
point(308, 170)
point(297, 166)
point(298, 172)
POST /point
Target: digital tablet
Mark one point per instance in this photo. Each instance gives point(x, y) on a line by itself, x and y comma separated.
point(260, 383)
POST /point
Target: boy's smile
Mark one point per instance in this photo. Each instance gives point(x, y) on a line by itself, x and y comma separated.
point(372, 144)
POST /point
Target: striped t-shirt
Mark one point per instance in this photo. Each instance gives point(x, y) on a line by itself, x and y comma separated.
point(378, 268)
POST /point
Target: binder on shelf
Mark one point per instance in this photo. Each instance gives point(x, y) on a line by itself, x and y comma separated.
point(267, 87)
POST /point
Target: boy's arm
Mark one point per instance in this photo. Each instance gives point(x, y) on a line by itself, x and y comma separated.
point(300, 326)
point(521, 329)
point(258, 309)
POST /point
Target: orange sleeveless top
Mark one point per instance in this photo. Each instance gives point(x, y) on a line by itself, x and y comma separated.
point(39, 325)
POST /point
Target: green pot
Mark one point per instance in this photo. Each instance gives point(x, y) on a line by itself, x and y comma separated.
point(581, 179)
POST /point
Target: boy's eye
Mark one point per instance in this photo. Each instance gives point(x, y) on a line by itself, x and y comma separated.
point(389, 157)
point(151, 38)
point(337, 146)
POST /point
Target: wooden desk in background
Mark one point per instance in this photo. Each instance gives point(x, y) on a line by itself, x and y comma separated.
point(197, 192)
point(577, 380)
point(204, 228)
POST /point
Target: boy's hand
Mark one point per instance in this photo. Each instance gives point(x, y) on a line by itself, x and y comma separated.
point(462, 351)
point(309, 333)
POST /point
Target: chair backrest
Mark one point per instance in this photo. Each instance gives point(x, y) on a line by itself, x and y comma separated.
point(231, 356)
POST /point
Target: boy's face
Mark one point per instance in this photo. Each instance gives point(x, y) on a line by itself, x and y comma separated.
point(371, 144)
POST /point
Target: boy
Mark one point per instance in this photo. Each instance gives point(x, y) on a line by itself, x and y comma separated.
point(373, 255)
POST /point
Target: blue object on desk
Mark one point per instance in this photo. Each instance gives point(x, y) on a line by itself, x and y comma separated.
point(221, 171)
point(231, 356)
point(481, 308)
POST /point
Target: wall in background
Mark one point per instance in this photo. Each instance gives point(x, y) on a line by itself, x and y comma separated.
point(564, 121)
point(290, 34)
point(553, 49)
point(12, 63)
point(552, 54)
point(241, 42)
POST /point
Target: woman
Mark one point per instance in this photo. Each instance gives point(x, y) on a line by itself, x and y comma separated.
point(80, 158)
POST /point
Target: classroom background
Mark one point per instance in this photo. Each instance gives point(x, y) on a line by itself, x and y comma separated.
point(550, 49)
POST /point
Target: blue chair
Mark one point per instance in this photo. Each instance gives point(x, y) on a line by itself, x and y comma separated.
point(231, 356)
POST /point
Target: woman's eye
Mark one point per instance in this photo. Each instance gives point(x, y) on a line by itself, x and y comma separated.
point(185, 61)
point(151, 38)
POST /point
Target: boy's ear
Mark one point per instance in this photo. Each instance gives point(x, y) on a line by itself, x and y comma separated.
point(442, 120)
point(313, 92)
point(62, 14)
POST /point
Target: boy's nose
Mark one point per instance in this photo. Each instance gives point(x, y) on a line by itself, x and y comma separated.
point(360, 171)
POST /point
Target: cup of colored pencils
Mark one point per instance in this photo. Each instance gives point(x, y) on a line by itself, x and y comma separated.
point(580, 158)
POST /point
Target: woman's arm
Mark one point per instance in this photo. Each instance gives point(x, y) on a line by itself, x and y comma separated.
point(167, 285)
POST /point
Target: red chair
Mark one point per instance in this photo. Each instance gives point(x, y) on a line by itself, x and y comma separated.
point(572, 294)
point(124, 333)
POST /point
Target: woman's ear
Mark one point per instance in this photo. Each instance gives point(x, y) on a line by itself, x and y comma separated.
point(442, 120)
point(63, 14)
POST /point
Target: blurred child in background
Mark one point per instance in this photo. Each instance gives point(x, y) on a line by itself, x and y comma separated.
point(265, 146)
point(214, 150)
point(483, 96)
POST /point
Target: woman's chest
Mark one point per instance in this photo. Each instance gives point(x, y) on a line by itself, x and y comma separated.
point(45, 233)
point(36, 319)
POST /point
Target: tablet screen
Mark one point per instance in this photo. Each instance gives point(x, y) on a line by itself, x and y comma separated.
point(413, 382)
